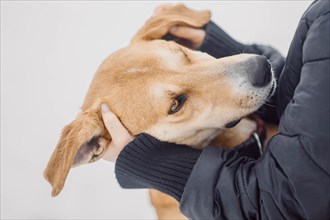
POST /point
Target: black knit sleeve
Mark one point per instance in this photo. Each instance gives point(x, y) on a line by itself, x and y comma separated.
point(219, 44)
point(149, 163)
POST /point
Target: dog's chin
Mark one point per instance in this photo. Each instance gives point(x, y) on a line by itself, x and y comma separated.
point(233, 123)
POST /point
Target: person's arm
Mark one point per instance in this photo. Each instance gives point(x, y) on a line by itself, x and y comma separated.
point(147, 162)
point(290, 181)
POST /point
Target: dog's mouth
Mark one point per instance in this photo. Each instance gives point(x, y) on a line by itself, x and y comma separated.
point(233, 123)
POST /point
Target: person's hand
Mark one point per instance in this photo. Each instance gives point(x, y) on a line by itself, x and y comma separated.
point(194, 35)
point(119, 134)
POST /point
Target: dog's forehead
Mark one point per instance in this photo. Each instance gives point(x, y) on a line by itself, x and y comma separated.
point(148, 56)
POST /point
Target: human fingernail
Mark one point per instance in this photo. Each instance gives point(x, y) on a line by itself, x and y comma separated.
point(105, 107)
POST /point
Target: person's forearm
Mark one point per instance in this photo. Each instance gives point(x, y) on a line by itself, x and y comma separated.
point(218, 43)
point(149, 163)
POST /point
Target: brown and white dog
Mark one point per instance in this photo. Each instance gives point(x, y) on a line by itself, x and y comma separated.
point(166, 90)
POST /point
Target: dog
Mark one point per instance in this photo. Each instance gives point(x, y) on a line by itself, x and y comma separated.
point(168, 91)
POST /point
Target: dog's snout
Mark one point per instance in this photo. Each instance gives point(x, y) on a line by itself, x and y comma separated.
point(259, 71)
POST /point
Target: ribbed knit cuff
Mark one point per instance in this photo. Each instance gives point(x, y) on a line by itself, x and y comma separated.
point(149, 163)
point(219, 44)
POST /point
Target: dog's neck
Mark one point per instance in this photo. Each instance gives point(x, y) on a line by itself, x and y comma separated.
point(200, 139)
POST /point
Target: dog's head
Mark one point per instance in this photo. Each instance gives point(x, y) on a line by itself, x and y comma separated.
point(164, 89)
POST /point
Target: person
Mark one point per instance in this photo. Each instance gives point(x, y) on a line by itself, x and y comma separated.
point(290, 180)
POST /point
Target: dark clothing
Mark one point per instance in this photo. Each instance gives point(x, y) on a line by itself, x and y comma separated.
point(291, 180)
point(148, 163)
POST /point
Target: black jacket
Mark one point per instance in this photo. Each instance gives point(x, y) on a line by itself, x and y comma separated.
point(291, 180)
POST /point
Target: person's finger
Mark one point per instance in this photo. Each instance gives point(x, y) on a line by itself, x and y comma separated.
point(112, 152)
point(116, 129)
point(188, 33)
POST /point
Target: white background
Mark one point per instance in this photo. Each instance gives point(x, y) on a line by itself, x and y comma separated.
point(49, 54)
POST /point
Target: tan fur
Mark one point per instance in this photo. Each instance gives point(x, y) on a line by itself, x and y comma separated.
point(140, 82)
point(166, 206)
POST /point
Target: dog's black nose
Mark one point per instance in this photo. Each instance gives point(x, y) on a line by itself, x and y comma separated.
point(259, 70)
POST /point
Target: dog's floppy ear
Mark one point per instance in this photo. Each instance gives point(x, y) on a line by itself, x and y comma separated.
point(75, 136)
point(157, 27)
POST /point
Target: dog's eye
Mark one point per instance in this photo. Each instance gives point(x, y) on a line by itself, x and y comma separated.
point(177, 104)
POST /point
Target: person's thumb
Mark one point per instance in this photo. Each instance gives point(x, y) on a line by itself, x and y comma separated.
point(118, 132)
